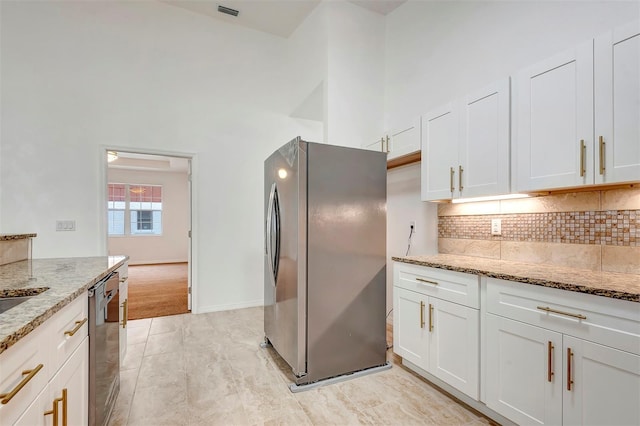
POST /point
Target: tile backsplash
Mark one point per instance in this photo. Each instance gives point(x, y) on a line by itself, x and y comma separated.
point(598, 230)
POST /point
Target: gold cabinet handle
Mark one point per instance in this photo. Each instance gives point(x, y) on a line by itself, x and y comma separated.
point(387, 139)
point(549, 361)
point(54, 409)
point(422, 280)
point(421, 314)
point(452, 174)
point(569, 314)
point(569, 376)
point(79, 325)
point(125, 312)
point(460, 170)
point(602, 146)
point(583, 150)
point(29, 374)
point(430, 317)
point(381, 144)
point(123, 279)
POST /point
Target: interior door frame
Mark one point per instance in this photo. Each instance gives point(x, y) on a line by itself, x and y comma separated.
point(192, 256)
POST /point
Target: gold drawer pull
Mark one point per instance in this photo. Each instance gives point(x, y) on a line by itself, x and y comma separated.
point(569, 314)
point(421, 314)
point(549, 359)
point(125, 313)
point(430, 317)
point(54, 410)
point(123, 279)
point(569, 376)
point(79, 325)
point(6, 397)
point(422, 280)
point(602, 148)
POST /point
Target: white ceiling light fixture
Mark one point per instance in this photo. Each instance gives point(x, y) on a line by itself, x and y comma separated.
point(490, 198)
point(112, 156)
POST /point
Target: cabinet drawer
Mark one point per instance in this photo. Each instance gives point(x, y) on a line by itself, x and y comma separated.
point(68, 328)
point(453, 286)
point(24, 372)
point(608, 321)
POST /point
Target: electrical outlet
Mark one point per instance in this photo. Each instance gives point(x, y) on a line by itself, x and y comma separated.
point(412, 225)
point(65, 225)
point(496, 226)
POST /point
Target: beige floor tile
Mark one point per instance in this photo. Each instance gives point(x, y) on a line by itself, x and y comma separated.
point(220, 376)
point(170, 341)
point(133, 359)
point(146, 322)
point(166, 324)
point(137, 335)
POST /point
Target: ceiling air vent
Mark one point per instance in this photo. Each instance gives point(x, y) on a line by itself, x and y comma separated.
point(227, 10)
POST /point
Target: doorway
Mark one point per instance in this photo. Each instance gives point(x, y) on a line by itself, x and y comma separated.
point(148, 212)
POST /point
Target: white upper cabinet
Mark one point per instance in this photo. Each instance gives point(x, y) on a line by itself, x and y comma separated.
point(401, 140)
point(484, 141)
point(554, 121)
point(439, 153)
point(404, 139)
point(617, 105)
point(465, 145)
point(560, 101)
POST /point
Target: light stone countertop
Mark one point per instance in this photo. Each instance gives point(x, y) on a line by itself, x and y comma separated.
point(607, 284)
point(65, 278)
point(11, 237)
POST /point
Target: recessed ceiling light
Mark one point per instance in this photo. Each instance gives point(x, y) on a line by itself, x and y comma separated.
point(228, 10)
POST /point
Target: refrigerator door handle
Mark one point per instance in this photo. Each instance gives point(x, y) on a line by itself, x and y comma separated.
point(276, 258)
point(268, 235)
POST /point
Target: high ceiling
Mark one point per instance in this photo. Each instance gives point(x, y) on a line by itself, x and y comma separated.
point(278, 17)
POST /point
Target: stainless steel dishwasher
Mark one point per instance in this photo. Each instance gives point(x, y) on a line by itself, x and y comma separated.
point(104, 349)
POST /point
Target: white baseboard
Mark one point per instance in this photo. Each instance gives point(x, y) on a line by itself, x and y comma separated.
point(156, 262)
point(227, 307)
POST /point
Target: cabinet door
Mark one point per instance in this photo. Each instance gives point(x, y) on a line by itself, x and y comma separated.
point(73, 379)
point(410, 333)
point(454, 350)
point(484, 141)
point(524, 377)
point(405, 139)
point(379, 145)
point(554, 121)
point(439, 153)
point(617, 105)
point(605, 388)
point(124, 310)
point(35, 414)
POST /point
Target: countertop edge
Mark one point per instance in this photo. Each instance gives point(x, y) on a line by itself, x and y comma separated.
point(614, 294)
point(23, 331)
point(12, 237)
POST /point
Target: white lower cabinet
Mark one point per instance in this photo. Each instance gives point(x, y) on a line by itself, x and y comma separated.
point(557, 357)
point(436, 335)
point(65, 400)
point(46, 373)
point(605, 384)
point(524, 379)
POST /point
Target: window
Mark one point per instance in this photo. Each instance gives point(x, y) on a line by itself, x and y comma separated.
point(141, 203)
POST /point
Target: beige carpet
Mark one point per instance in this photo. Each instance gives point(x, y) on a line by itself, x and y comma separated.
point(157, 290)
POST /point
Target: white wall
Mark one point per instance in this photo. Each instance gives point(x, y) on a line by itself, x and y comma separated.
point(173, 244)
point(403, 183)
point(147, 76)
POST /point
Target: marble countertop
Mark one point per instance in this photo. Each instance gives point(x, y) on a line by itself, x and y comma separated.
point(10, 237)
point(64, 279)
point(607, 284)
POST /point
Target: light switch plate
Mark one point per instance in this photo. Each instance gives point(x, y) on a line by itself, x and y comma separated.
point(65, 225)
point(496, 226)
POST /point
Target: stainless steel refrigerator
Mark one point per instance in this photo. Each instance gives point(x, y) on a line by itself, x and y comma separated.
point(325, 259)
